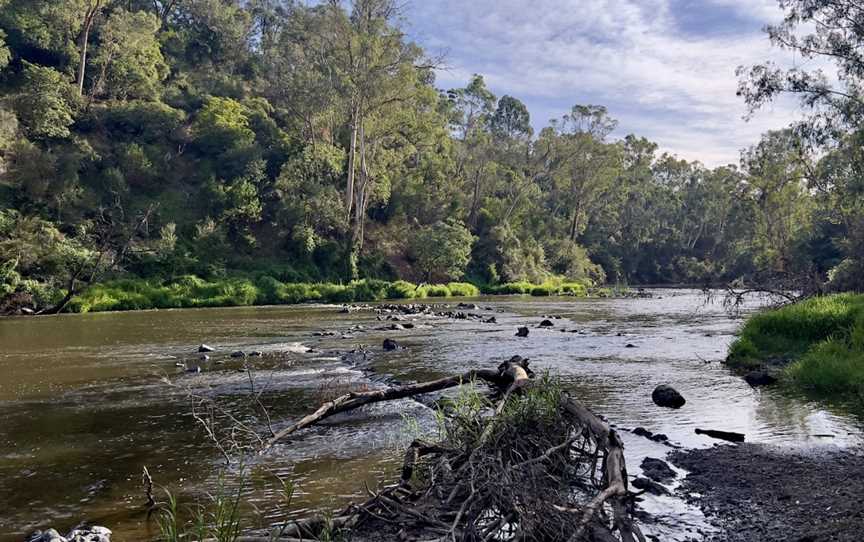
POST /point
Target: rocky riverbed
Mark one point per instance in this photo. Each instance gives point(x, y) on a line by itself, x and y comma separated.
point(764, 493)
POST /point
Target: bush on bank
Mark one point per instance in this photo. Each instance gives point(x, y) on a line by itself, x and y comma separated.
point(190, 291)
point(819, 341)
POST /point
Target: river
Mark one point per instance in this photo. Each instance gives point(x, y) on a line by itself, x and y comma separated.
point(85, 400)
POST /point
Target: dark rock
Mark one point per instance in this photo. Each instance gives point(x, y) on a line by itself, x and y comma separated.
point(659, 437)
point(408, 325)
point(721, 435)
point(642, 432)
point(759, 378)
point(390, 344)
point(255, 354)
point(629, 345)
point(468, 306)
point(206, 348)
point(667, 396)
point(491, 320)
point(657, 470)
point(345, 310)
point(650, 486)
point(522, 332)
point(238, 354)
point(546, 323)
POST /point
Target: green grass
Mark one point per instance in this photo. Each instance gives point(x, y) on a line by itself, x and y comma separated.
point(552, 287)
point(190, 291)
point(820, 341)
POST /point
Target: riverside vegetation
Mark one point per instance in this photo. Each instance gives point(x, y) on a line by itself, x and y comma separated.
point(191, 291)
point(818, 344)
point(150, 140)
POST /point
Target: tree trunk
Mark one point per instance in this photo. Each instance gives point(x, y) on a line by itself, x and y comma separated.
point(89, 17)
point(352, 157)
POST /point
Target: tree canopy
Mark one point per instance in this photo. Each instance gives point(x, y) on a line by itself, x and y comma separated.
point(310, 142)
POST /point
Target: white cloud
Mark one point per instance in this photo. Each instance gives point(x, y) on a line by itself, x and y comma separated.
point(677, 89)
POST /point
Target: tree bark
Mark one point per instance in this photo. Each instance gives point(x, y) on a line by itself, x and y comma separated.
point(89, 17)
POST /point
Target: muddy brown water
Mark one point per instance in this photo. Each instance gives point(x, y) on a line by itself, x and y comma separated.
point(84, 405)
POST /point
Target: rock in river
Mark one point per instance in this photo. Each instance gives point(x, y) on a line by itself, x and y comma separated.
point(657, 469)
point(650, 486)
point(390, 344)
point(205, 348)
point(522, 332)
point(759, 378)
point(80, 534)
point(667, 396)
point(546, 323)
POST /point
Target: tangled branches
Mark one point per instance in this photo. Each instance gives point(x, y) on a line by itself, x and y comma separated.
point(527, 463)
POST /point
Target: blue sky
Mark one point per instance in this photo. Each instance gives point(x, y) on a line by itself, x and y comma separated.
point(664, 68)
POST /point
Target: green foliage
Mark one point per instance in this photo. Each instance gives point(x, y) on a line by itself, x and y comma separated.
point(222, 123)
point(5, 53)
point(443, 249)
point(45, 106)
point(129, 59)
point(144, 122)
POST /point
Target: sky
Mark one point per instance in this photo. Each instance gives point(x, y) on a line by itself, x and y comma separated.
point(665, 69)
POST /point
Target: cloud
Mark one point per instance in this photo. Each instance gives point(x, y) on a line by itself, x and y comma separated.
point(664, 68)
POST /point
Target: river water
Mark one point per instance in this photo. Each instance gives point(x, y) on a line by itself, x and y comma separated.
point(87, 401)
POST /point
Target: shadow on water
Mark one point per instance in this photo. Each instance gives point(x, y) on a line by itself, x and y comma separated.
point(84, 405)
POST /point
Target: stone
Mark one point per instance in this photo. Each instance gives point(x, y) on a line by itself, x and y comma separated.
point(546, 323)
point(238, 354)
point(759, 378)
point(657, 470)
point(649, 486)
point(629, 345)
point(522, 332)
point(667, 396)
point(206, 348)
point(390, 344)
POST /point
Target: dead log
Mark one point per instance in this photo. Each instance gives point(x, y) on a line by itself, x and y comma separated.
point(721, 435)
point(510, 376)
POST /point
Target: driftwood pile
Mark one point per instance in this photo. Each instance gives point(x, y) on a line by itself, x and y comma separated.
point(526, 463)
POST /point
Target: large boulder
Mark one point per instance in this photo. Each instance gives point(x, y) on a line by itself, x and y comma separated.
point(546, 323)
point(522, 331)
point(657, 469)
point(665, 395)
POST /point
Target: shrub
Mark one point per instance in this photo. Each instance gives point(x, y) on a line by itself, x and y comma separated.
point(435, 290)
point(511, 288)
point(463, 289)
point(402, 290)
point(370, 290)
point(543, 290)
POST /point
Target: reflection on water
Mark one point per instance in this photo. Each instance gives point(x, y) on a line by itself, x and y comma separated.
point(84, 406)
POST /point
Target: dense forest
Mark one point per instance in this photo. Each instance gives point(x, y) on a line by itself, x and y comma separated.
point(277, 140)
